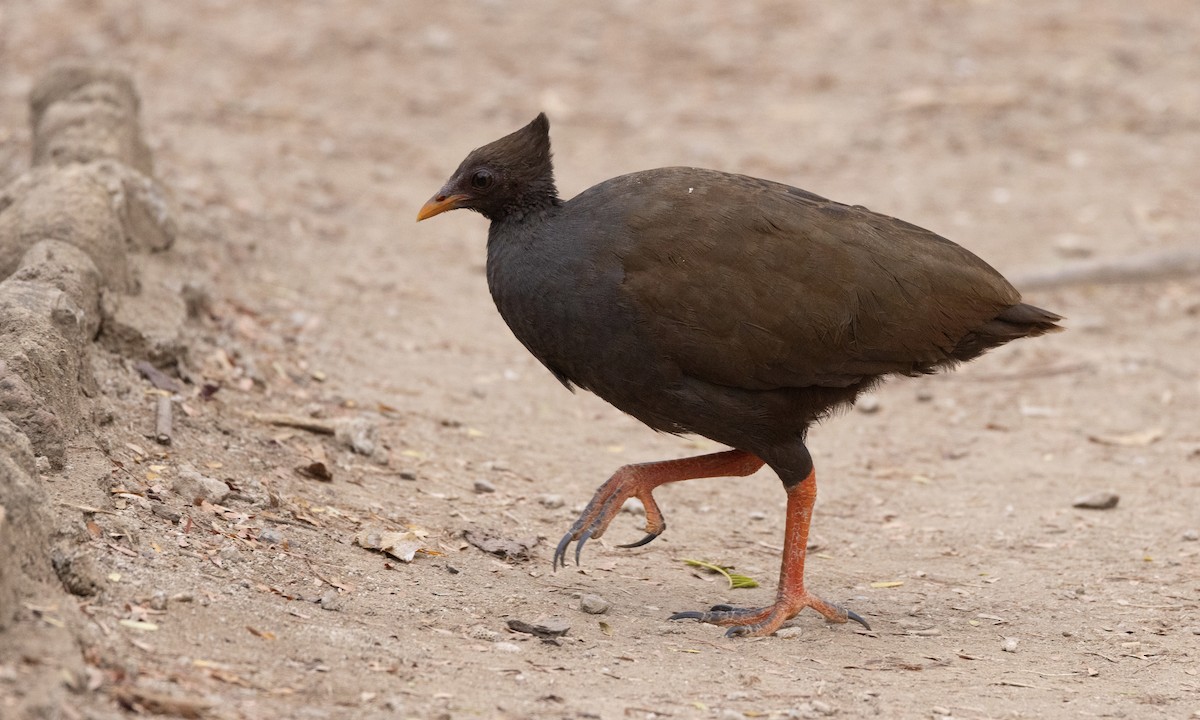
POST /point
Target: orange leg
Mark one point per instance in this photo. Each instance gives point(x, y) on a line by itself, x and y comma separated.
point(638, 481)
point(791, 597)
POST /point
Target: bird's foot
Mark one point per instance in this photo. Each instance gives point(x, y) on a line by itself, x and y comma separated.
point(638, 481)
point(766, 620)
point(629, 481)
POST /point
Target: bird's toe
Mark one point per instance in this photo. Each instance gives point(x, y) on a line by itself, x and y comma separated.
point(850, 614)
point(649, 538)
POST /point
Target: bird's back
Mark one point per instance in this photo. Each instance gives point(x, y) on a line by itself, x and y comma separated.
point(755, 284)
point(684, 296)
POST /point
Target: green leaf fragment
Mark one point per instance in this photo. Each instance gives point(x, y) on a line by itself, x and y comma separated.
point(735, 580)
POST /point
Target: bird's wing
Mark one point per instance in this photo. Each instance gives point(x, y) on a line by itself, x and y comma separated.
point(753, 284)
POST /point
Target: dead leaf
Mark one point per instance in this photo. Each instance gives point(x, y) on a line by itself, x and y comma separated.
point(401, 545)
point(231, 678)
point(313, 451)
point(316, 471)
point(332, 582)
point(306, 519)
point(264, 634)
point(1140, 438)
point(892, 662)
point(887, 584)
point(511, 549)
point(148, 701)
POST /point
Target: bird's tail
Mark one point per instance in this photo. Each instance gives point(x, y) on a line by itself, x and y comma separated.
point(1016, 321)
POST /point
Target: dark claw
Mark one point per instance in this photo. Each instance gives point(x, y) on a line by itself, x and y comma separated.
point(688, 615)
point(560, 553)
point(851, 615)
point(579, 548)
point(649, 537)
point(737, 631)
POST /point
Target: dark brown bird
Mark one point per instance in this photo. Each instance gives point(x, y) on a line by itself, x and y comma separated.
point(735, 308)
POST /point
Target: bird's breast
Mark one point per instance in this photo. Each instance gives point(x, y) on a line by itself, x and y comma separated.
point(565, 305)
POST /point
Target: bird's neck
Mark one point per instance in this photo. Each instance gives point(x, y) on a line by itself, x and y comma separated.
point(521, 227)
point(539, 200)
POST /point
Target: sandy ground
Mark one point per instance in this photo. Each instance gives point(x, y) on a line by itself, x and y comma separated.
point(300, 139)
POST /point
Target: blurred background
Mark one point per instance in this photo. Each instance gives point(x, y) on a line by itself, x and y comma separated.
point(300, 138)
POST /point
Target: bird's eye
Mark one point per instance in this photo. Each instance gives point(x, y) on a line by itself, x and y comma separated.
point(481, 180)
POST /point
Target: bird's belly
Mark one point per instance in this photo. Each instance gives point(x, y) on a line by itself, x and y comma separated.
point(623, 368)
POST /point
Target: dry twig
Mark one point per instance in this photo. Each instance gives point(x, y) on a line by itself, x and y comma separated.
point(321, 427)
point(162, 421)
point(1135, 268)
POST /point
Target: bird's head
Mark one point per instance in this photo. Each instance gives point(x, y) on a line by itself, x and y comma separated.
point(510, 176)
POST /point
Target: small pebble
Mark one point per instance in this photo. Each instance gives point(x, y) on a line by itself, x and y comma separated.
point(551, 501)
point(437, 39)
point(867, 404)
point(1090, 323)
point(924, 395)
point(546, 626)
point(1191, 535)
point(1072, 246)
point(633, 506)
point(507, 647)
point(728, 714)
point(408, 475)
point(480, 632)
point(166, 512)
point(158, 601)
point(270, 536)
point(757, 515)
point(593, 604)
point(1010, 644)
point(484, 486)
point(788, 633)
point(1103, 500)
point(822, 707)
point(192, 485)
point(394, 704)
point(939, 710)
point(331, 601)
point(804, 711)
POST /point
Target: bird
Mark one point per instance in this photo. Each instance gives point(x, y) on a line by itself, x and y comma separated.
point(735, 308)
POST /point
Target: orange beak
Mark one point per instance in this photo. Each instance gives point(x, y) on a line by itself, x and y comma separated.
point(439, 204)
